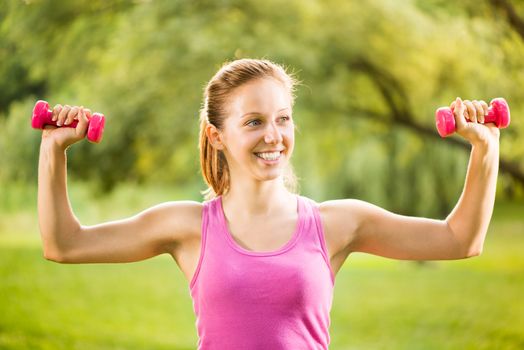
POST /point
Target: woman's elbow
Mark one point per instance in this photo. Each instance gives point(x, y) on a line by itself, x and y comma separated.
point(473, 251)
point(54, 256)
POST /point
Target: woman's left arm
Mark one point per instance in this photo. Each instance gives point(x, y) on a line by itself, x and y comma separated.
point(470, 218)
point(356, 226)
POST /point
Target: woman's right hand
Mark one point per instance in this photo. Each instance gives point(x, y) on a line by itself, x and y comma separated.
point(66, 136)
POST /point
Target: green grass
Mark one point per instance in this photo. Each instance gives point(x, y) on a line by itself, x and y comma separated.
point(379, 303)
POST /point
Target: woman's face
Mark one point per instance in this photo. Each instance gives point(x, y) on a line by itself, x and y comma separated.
point(259, 121)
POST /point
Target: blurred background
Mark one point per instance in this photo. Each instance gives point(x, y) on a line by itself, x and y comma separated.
point(373, 74)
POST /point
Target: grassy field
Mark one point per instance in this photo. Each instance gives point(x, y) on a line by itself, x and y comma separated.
point(379, 303)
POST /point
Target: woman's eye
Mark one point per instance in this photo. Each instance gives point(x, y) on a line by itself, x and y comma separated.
point(250, 123)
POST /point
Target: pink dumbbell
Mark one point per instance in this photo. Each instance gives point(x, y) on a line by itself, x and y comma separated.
point(42, 116)
point(498, 113)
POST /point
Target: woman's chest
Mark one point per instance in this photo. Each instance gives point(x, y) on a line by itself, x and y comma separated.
point(286, 280)
point(263, 235)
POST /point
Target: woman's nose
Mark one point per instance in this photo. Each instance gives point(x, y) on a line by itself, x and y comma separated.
point(272, 134)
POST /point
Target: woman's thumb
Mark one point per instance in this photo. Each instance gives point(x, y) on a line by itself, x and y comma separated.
point(81, 128)
point(458, 113)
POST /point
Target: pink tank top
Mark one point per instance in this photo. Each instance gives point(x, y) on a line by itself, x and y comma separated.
point(262, 300)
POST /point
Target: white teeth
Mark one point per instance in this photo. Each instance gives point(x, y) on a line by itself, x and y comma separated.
point(269, 155)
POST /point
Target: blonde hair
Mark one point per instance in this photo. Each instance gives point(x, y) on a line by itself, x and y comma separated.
point(231, 75)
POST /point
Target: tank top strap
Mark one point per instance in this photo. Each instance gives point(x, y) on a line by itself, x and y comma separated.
point(214, 245)
point(314, 231)
point(207, 209)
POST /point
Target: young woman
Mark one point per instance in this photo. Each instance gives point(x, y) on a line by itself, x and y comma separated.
point(259, 258)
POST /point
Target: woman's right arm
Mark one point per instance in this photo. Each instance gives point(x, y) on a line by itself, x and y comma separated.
point(152, 232)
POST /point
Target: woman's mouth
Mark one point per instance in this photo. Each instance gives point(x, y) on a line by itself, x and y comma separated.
point(269, 157)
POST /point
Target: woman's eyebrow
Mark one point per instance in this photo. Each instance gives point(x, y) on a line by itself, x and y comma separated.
point(249, 113)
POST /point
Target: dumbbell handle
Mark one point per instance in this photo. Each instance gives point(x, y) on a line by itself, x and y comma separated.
point(42, 116)
point(498, 113)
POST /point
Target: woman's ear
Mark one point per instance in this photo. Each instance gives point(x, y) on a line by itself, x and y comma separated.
point(214, 136)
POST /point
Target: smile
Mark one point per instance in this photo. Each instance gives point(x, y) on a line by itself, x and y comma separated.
point(269, 156)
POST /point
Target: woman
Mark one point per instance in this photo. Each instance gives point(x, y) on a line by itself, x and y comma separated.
point(260, 259)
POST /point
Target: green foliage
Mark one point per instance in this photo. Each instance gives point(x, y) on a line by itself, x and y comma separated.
point(144, 65)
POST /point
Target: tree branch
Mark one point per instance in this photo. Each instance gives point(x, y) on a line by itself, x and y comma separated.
point(396, 99)
point(513, 18)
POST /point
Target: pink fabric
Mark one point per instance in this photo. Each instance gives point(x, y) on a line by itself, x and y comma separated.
point(262, 300)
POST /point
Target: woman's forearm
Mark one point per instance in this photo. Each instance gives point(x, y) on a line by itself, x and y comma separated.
point(55, 216)
point(470, 218)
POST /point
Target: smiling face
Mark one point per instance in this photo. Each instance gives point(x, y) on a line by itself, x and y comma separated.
point(259, 119)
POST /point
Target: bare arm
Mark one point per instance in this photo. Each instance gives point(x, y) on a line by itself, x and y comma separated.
point(57, 222)
point(377, 231)
point(357, 226)
point(147, 234)
point(470, 218)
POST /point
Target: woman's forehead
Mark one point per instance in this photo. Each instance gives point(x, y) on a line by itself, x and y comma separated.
point(260, 96)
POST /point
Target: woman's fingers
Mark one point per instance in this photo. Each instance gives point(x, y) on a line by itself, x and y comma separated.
point(459, 112)
point(56, 110)
point(62, 115)
point(474, 111)
point(81, 128)
point(485, 106)
point(471, 111)
point(65, 115)
point(480, 111)
point(88, 113)
point(71, 115)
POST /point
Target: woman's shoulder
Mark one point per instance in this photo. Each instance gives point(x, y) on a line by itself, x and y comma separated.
point(183, 217)
point(334, 207)
point(340, 219)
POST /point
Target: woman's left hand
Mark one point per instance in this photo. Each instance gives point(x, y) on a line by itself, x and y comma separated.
point(474, 130)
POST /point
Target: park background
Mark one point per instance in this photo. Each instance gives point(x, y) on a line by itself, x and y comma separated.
point(372, 72)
